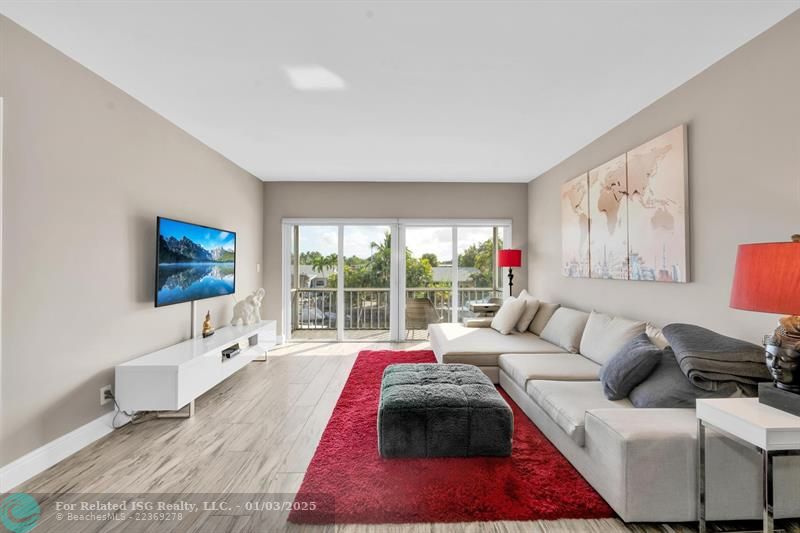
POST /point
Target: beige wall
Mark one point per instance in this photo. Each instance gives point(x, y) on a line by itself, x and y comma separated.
point(384, 200)
point(743, 117)
point(87, 169)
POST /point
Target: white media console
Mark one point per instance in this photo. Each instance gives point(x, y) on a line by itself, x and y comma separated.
point(172, 378)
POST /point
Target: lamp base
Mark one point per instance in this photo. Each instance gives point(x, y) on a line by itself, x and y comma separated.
point(788, 333)
point(770, 394)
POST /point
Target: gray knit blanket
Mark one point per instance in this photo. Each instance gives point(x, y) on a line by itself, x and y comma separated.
point(715, 362)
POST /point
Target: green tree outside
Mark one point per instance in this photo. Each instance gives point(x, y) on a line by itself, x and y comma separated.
point(480, 256)
point(374, 271)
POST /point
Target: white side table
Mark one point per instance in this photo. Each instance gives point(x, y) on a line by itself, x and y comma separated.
point(769, 431)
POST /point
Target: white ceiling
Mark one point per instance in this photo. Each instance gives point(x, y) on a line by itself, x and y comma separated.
point(432, 91)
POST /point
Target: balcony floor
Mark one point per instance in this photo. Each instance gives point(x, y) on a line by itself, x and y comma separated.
point(361, 335)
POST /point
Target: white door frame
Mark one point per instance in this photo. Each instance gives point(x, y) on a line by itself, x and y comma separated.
point(400, 302)
point(398, 264)
point(396, 319)
point(340, 283)
point(1, 243)
point(454, 296)
point(286, 281)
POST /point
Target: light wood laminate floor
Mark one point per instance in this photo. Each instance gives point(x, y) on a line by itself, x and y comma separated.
point(255, 432)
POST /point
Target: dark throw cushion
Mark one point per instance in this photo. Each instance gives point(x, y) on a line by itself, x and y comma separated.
point(668, 386)
point(629, 366)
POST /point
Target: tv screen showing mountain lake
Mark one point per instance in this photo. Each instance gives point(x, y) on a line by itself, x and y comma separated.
point(194, 262)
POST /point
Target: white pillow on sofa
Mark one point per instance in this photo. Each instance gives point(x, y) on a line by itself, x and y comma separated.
point(507, 316)
point(531, 306)
point(565, 328)
point(605, 335)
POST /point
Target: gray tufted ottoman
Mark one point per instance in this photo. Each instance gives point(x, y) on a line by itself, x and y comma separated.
point(437, 410)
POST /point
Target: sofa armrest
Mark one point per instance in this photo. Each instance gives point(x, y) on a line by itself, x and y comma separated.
point(655, 450)
point(638, 424)
point(478, 322)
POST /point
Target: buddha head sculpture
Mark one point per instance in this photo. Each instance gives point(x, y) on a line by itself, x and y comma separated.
point(784, 365)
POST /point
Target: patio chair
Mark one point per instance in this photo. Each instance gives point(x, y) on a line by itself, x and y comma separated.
point(420, 312)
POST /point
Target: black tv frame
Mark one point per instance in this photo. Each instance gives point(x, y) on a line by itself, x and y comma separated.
point(155, 281)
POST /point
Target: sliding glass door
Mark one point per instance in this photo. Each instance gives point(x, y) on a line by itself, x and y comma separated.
point(314, 291)
point(382, 280)
point(340, 279)
point(478, 279)
point(367, 252)
point(428, 278)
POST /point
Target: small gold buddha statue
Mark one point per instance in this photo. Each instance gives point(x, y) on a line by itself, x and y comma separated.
point(208, 329)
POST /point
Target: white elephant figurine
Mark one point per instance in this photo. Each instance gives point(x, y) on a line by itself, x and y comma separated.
point(248, 311)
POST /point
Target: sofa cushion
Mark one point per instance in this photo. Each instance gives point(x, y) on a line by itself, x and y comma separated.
point(543, 315)
point(630, 366)
point(531, 306)
point(455, 343)
point(507, 316)
point(566, 402)
point(604, 335)
point(565, 328)
point(551, 366)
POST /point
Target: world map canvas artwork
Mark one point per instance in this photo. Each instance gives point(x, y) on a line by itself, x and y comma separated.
point(575, 227)
point(657, 209)
point(608, 220)
point(633, 209)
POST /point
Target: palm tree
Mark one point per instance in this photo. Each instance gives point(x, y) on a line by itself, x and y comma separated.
point(380, 262)
point(321, 263)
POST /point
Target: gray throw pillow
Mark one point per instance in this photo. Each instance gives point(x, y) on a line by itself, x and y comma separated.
point(629, 366)
point(668, 386)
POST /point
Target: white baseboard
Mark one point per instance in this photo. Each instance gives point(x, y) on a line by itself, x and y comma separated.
point(40, 459)
point(279, 339)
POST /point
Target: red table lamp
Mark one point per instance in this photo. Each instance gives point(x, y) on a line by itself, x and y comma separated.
point(510, 259)
point(767, 279)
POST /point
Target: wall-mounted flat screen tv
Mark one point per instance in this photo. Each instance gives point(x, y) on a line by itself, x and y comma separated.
point(193, 262)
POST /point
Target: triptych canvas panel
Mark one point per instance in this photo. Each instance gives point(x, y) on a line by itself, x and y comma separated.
point(627, 218)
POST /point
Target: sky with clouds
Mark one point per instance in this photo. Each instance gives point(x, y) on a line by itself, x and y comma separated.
point(420, 240)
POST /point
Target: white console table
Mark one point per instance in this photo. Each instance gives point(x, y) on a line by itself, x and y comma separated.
point(172, 378)
point(762, 428)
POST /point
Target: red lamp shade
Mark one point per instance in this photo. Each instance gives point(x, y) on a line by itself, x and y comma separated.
point(767, 278)
point(509, 258)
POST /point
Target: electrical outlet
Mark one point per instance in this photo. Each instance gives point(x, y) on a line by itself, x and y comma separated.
point(105, 394)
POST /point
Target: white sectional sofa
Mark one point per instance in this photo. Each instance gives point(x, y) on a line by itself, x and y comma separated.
point(454, 343)
point(642, 461)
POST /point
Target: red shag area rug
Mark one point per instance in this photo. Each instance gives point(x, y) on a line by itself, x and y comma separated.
point(349, 482)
